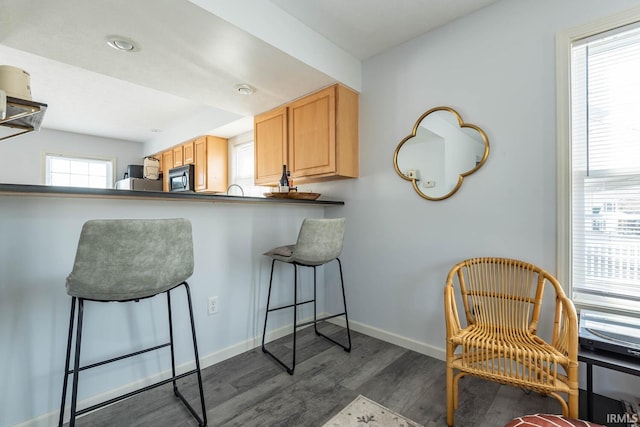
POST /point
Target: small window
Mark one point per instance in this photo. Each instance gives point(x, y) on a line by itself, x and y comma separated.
point(75, 171)
point(242, 170)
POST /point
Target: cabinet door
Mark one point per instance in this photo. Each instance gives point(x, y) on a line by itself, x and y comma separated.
point(211, 164)
point(167, 161)
point(200, 148)
point(270, 145)
point(177, 157)
point(188, 156)
point(217, 161)
point(312, 134)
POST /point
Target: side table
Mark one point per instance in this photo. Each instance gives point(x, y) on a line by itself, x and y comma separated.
point(628, 365)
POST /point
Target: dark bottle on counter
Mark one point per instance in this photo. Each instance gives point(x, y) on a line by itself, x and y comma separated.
point(290, 181)
point(284, 181)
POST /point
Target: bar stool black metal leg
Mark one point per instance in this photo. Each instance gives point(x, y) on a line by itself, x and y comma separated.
point(266, 317)
point(295, 316)
point(171, 348)
point(65, 382)
point(344, 303)
point(203, 420)
point(315, 304)
point(266, 314)
point(347, 347)
point(76, 363)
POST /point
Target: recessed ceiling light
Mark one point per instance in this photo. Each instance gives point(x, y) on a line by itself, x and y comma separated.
point(121, 43)
point(245, 89)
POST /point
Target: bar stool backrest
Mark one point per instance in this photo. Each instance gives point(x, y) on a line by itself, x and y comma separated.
point(319, 240)
point(126, 259)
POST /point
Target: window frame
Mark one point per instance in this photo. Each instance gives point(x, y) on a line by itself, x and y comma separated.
point(234, 144)
point(82, 157)
point(564, 41)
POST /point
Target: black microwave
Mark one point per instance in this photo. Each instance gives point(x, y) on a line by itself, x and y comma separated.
point(182, 178)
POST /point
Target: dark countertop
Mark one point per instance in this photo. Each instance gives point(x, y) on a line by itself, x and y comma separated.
point(46, 190)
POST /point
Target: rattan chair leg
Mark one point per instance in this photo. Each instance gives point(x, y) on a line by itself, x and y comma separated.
point(450, 397)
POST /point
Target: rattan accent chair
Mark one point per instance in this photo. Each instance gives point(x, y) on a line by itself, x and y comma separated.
point(502, 300)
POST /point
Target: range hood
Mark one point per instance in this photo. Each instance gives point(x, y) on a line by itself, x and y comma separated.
point(19, 116)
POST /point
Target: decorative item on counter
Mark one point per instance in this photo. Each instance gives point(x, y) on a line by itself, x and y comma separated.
point(151, 168)
point(291, 187)
point(284, 181)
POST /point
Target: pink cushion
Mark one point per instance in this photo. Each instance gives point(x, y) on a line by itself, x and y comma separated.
point(548, 420)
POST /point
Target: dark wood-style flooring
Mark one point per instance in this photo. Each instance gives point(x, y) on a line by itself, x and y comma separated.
point(252, 390)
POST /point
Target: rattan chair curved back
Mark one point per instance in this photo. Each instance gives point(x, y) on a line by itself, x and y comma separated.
point(502, 301)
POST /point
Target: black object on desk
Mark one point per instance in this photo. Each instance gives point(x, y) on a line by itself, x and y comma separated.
point(616, 362)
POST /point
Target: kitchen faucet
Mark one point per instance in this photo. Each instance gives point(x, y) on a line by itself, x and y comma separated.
point(235, 185)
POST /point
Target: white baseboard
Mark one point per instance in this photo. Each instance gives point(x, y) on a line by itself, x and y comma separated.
point(51, 418)
point(399, 340)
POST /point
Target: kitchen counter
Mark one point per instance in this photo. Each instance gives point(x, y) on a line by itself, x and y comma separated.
point(46, 190)
point(39, 231)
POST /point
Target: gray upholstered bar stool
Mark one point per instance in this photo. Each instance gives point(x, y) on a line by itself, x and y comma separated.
point(125, 261)
point(319, 242)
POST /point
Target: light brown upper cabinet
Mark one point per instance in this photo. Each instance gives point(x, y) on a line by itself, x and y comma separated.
point(315, 136)
point(178, 157)
point(270, 145)
point(210, 164)
point(188, 156)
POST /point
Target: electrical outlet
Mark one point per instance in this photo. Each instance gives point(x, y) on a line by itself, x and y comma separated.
point(212, 305)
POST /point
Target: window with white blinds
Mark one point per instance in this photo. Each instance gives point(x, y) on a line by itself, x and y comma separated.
point(605, 169)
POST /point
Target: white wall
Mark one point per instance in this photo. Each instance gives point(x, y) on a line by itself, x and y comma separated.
point(401, 247)
point(21, 157)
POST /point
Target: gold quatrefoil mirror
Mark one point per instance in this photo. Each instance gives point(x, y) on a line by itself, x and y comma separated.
point(440, 152)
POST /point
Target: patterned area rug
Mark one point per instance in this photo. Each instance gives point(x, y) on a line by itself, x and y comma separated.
point(363, 412)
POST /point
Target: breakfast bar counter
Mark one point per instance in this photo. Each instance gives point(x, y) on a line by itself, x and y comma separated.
point(39, 233)
point(46, 190)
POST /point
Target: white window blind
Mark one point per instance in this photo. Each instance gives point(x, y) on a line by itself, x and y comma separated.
point(605, 156)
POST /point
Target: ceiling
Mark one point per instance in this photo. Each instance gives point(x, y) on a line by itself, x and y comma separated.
point(181, 79)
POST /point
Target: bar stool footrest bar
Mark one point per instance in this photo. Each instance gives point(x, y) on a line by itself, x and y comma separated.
point(290, 305)
point(115, 359)
point(135, 392)
point(310, 322)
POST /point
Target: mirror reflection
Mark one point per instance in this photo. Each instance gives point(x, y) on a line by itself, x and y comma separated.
point(440, 152)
